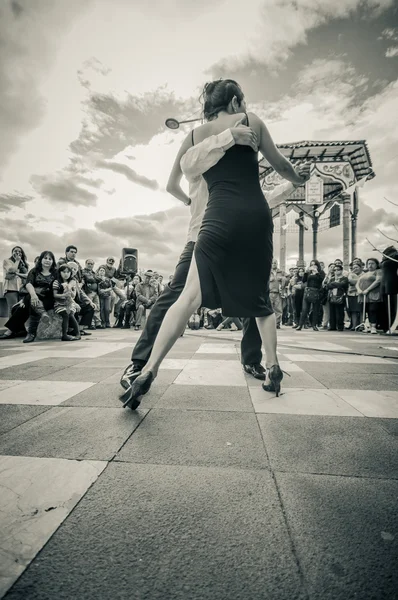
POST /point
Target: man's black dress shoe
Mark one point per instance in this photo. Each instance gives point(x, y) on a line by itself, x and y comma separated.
point(257, 370)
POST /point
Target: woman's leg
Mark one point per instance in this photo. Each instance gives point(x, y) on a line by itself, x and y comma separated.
point(102, 310)
point(332, 317)
point(107, 310)
point(340, 316)
point(73, 324)
point(238, 323)
point(175, 320)
point(267, 329)
point(304, 311)
point(11, 299)
point(64, 316)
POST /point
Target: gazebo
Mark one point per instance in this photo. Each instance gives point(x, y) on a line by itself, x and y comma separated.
point(338, 169)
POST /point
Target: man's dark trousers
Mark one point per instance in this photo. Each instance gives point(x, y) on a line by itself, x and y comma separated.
point(251, 342)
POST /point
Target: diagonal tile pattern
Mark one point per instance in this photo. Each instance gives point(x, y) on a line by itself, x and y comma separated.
point(206, 446)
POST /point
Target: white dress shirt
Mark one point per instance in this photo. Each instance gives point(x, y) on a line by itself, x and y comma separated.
point(199, 159)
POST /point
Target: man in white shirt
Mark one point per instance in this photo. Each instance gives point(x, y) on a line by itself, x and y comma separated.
point(196, 160)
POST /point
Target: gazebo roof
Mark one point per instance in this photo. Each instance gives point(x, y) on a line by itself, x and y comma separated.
point(354, 152)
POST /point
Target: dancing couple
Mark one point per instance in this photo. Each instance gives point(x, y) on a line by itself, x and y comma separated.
point(229, 240)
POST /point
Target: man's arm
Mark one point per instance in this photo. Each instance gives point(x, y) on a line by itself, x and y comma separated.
point(201, 157)
point(282, 191)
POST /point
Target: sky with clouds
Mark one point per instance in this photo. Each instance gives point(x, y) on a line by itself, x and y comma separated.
point(85, 88)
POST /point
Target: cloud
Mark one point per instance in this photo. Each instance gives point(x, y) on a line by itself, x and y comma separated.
point(391, 52)
point(29, 33)
point(129, 173)
point(114, 123)
point(9, 201)
point(62, 188)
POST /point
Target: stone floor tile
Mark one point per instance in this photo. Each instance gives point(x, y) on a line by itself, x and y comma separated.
point(345, 534)
point(170, 533)
point(329, 445)
point(216, 348)
point(82, 373)
point(73, 432)
point(39, 392)
point(12, 415)
point(36, 496)
point(107, 395)
point(296, 401)
point(202, 372)
point(227, 439)
point(371, 403)
point(193, 397)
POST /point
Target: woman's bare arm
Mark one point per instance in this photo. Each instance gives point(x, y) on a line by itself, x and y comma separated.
point(272, 154)
point(173, 186)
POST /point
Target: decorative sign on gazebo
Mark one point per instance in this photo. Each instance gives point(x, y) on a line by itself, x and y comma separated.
point(314, 190)
point(338, 169)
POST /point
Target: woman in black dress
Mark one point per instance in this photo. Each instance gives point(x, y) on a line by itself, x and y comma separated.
point(235, 239)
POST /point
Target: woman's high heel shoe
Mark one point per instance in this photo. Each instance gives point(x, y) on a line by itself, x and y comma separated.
point(276, 375)
point(140, 386)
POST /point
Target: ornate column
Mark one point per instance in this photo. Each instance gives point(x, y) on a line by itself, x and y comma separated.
point(346, 229)
point(282, 237)
point(315, 222)
point(354, 221)
point(300, 262)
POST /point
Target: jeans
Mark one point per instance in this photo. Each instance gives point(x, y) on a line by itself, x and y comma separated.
point(95, 298)
point(336, 320)
point(11, 299)
point(105, 309)
point(251, 342)
point(306, 309)
point(35, 315)
point(277, 307)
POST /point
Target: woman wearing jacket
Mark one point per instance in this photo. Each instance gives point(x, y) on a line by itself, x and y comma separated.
point(15, 273)
point(369, 291)
point(337, 287)
point(354, 308)
point(313, 279)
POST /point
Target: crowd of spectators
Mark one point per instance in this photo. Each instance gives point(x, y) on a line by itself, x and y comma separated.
point(81, 298)
point(364, 298)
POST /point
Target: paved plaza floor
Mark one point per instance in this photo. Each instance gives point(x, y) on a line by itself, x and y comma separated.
point(213, 489)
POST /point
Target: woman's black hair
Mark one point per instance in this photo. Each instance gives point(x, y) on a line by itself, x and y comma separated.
point(217, 95)
point(314, 260)
point(374, 260)
point(139, 277)
point(59, 271)
point(39, 267)
point(24, 260)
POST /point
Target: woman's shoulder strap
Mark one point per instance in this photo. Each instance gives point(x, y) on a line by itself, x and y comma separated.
point(193, 142)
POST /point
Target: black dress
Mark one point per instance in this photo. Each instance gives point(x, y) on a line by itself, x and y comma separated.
point(234, 247)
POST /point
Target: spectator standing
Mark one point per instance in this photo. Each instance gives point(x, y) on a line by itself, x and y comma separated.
point(354, 308)
point(389, 287)
point(326, 305)
point(39, 286)
point(369, 291)
point(104, 293)
point(15, 271)
point(337, 290)
point(275, 282)
point(312, 294)
point(90, 288)
point(146, 297)
point(297, 287)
